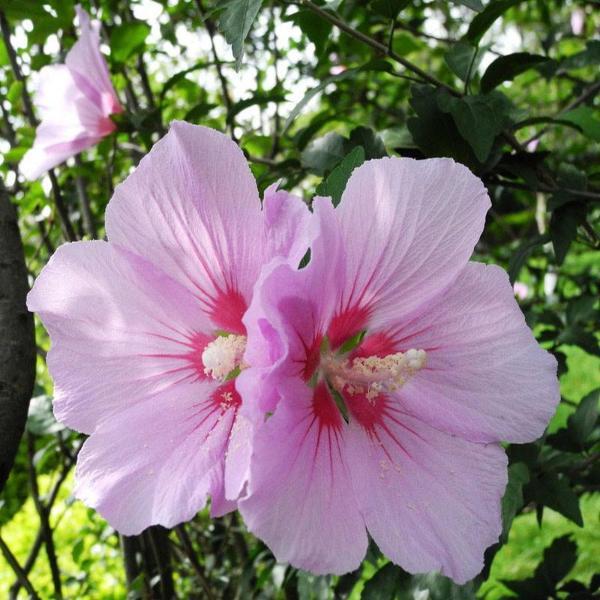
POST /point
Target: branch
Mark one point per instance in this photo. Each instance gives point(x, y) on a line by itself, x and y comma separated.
point(16, 567)
point(43, 514)
point(369, 41)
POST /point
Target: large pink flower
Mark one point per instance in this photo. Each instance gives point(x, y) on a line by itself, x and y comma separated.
point(139, 355)
point(75, 101)
point(399, 435)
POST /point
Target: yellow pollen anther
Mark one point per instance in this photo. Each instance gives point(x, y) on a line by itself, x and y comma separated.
point(373, 375)
point(223, 355)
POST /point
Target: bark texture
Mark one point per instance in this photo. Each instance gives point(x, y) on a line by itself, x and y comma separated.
point(17, 338)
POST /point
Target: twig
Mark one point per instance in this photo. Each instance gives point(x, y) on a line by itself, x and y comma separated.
point(210, 27)
point(191, 556)
point(18, 570)
point(590, 195)
point(369, 41)
point(84, 202)
point(44, 519)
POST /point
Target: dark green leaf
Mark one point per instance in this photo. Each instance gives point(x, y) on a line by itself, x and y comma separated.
point(369, 140)
point(506, 68)
point(555, 492)
point(475, 5)
point(522, 253)
point(563, 228)
point(387, 584)
point(335, 183)
point(127, 39)
point(582, 422)
point(479, 119)
point(580, 309)
point(484, 20)
point(463, 58)
point(558, 560)
point(255, 100)
point(434, 131)
point(317, 30)
point(512, 501)
point(588, 57)
point(235, 22)
point(389, 8)
point(323, 153)
point(586, 119)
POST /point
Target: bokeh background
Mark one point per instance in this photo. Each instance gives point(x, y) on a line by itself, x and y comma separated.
point(309, 90)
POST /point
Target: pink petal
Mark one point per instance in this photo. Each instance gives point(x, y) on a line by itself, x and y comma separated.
point(70, 122)
point(486, 377)
point(408, 229)
point(430, 501)
point(192, 208)
point(88, 66)
point(299, 500)
point(157, 462)
point(121, 330)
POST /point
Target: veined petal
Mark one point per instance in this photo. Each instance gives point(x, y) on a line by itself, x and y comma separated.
point(408, 228)
point(121, 330)
point(486, 378)
point(157, 462)
point(299, 499)
point(430, 501)
point(192, 208)
point(88, 66)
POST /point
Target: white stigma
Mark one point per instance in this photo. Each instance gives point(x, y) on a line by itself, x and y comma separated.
point(373, 375)
point(223, 355)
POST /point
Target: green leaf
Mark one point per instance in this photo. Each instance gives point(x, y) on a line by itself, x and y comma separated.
point(556, 493)
point(255, 100)
point(559, 559)
point(479, 119)
point(369, 140)
point(582, 422)
point(314, 27)
point(484, 20)
point(434, 131)
point(506, 68)
point(522, 253)
point(580, 309)
point(335, 183)
point(323, 153)
point(235, 22)
point(585, 118)
point(586, 58)
point(14, 92)
point(563, 228)
point(512, 501)
point(387, 584)
point(388, 8)
point(463, 58)
point(40, 419)
point(475, 5)
point(127, 39)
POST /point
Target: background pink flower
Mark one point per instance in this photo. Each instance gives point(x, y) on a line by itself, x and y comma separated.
point(75, 101)
point(137, 326)
point(391, 368)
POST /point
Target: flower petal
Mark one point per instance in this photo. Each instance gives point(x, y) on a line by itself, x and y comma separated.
point(70, 122)
point(157, 462)
point(121, 330)
point(408, 229)
point(299, 500)
point(192, 208)
point(89, 68)
point(430, 501)
point(486, 378)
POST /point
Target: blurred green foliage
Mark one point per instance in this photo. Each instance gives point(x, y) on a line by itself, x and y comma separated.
point(311, 90)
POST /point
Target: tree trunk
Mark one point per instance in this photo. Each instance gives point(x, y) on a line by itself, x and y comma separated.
point(17, 338)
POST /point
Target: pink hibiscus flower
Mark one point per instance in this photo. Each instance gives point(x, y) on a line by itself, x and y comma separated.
point(75, 101)
point(140, 357)
point(387, 372)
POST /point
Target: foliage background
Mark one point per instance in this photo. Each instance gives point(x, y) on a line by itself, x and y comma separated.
point(320, 87)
